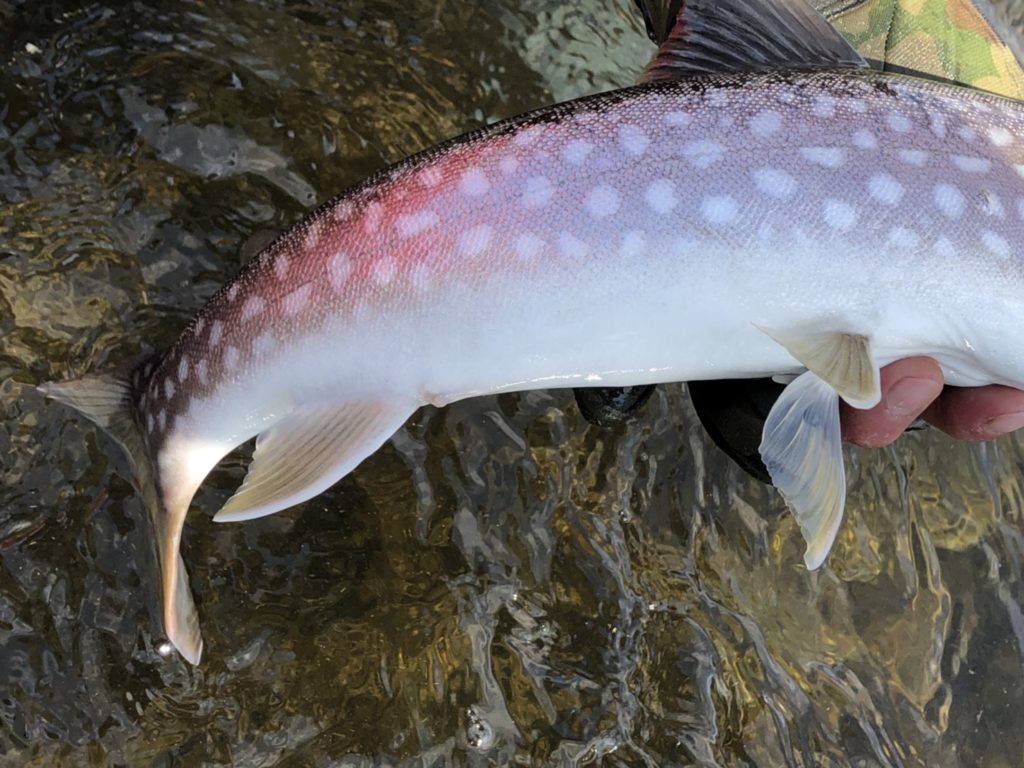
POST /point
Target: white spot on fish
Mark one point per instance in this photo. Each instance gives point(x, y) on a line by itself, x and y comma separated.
point(339, 267)
point(677, 119)
point(864, 139)
point(967, 133)
point(200, 324)
point(372, 217)
point(538, 192)
point(765, 123)
point(719, 209)
point(576, 151)
point(1000, 137)
point(899, 123)
point(1020, 207)
point(603, 201)
point(183, 370)
point(944, 248)
point(885, 188)
point(571, 246)
point(202, 372)
point(412, 224)
point(633, 140)
point(949, 200)
point(509, 164)
point(703, 153)
point(1019, 169)
point(718, 98)
point(633, 245)
point(661, 196)
point(281, 266)
point(252, 307)
point(824, 106)
point(995, 244)
point(169, 389)
point(312, 239)
point(233, 291)
point(775, 183)
point(684, 246)
point(474, 182)
point(527, 136)
point(972, 164)
point(430, 177)
point(937, 122)
point(915, 157)
point(342, 212)
point(264, 344)
point(827, 157)
point(216, 331)
point(296, 301)
point(475, 240)
point(420, 277)
point(384, 270)
point(528, 246)
point(231, 358)
point(857, 105)
point(787, 95)
point(901, 237)
point(839, 215)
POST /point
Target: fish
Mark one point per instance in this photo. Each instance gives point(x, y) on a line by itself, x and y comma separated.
point(762, 204)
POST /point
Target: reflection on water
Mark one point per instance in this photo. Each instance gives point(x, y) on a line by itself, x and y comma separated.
point(500, 582)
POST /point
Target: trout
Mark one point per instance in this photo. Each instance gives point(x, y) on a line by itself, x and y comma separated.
point(762, 204)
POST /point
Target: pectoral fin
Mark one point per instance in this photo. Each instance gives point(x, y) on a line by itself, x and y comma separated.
point(802, 448)
point(843, 360)
point(308, 452)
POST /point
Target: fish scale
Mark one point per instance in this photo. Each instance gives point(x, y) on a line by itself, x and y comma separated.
point(817, 221)
point(511, 219)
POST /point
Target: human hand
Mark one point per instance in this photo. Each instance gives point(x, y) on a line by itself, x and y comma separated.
point(913, 388)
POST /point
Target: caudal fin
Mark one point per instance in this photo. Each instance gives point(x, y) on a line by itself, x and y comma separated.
point(107, 399)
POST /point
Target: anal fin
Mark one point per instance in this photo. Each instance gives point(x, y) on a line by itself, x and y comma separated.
point(802, 448)
point(309, 451)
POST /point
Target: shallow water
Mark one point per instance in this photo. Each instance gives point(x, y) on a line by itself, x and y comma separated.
point(501, 582)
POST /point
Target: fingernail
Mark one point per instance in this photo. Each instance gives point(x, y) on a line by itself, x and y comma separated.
point(1008, 422)
point(910, 396)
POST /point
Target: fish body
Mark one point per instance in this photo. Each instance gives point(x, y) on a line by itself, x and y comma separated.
point(647, 236)
point(650, 219)
point(746, 224)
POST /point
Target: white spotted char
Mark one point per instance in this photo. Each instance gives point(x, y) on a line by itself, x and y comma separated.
point(631, 238)
point(661, 233)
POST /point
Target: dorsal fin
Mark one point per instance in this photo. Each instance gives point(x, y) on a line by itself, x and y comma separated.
point(659, 17)
point(713, 36)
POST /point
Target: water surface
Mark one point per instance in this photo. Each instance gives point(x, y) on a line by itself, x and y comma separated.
point(501, 582)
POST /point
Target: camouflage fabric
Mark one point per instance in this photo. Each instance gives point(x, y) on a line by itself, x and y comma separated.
point(950, 39)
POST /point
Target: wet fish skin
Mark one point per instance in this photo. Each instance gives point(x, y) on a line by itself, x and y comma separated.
point(660, 233)
point(875, 176)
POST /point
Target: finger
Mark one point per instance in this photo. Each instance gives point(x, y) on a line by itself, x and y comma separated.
point(908, 387)
point(978, 413)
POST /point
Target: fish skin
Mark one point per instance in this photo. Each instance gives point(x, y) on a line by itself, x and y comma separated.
point(398, 252)
point(642, 236)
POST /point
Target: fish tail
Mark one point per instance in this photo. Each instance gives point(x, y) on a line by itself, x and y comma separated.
point(110, 399)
